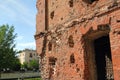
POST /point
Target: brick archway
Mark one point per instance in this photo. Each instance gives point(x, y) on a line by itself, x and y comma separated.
point(93, 38)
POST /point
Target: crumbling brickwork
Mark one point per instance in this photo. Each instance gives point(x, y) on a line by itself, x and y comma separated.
point(78, 39)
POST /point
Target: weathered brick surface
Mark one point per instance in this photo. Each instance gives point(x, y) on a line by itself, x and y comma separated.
point(66, 30)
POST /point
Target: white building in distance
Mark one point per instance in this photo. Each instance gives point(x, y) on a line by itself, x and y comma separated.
point(27, 55)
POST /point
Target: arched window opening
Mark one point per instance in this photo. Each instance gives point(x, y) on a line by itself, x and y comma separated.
point(72, 59)
point(49, 46)
point(71, 41)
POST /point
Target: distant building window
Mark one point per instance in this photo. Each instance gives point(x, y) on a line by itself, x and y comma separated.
point(30, 60)
point(31, 55)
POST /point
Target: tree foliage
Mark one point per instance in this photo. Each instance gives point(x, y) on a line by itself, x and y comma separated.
point(34, 64)
point(24, 65)
point(7, 45)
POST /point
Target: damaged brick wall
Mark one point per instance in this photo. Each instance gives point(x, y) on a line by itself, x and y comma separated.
point(65, 32)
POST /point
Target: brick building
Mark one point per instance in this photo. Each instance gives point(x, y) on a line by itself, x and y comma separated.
point(78, 39)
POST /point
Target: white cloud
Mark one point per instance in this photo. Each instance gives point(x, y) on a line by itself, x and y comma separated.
point(17, 10)
point(25, 12)
point(21, 14)
point(19, 37)
point(7, 11)
point(22, 46)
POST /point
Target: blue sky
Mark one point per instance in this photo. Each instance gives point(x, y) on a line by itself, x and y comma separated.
point(22, 15)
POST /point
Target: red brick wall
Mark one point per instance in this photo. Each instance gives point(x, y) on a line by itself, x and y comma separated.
point(115, 43)
point(40, 17)
point(81, 21)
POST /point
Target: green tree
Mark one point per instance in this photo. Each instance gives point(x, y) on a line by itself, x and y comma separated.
point(17, 65)
point(7, 45)
point(25, 65)
point(34, 64)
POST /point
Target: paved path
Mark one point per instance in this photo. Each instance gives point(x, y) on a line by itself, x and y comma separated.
point(18, 75)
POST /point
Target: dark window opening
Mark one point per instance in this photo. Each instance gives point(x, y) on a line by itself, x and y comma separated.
point(72, 59)
point(49, 46)
point(61, 18)
point(77, 69)
point(103, 58)
point(30, 55)
point(52, 15)
point(71, 41)
point(89, 1)
point(71, 3)
point(52, 61)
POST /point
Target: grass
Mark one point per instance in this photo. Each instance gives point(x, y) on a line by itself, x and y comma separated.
point(33, 79)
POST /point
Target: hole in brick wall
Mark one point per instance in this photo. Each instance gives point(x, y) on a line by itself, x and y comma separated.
point(71, 41)
point(52, 15)
point(80, 75)
point(77, 69)
point(53, 3)
point(76, 65)
point(61, 18)
point(89, 1)
point(52, 61)
point(71, 3)
point(72, 59)
point(75, 31)
point(49, 46)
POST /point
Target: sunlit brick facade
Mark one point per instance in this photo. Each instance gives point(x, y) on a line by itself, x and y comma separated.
point(78, 39)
